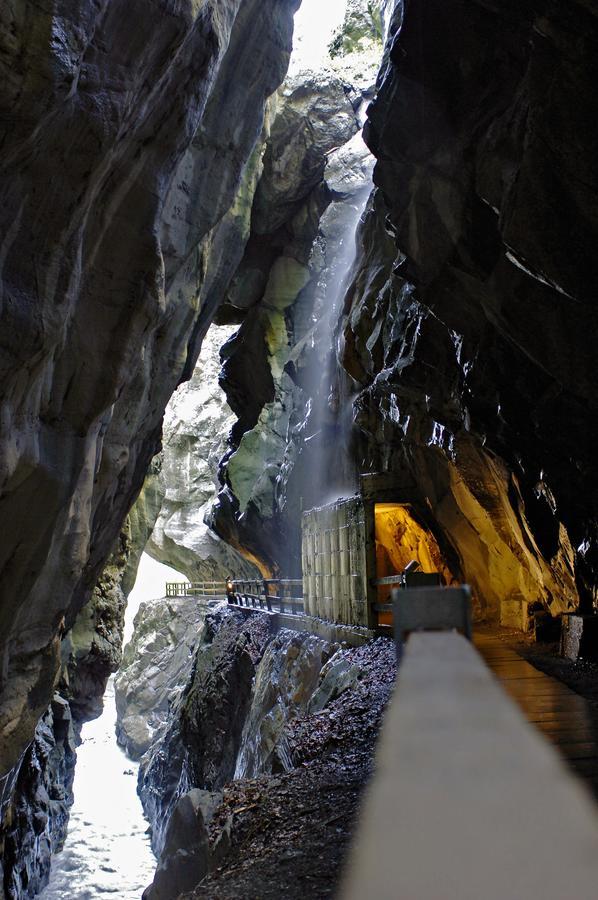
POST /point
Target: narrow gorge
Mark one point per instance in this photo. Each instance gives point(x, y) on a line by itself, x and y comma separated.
point(265, 264)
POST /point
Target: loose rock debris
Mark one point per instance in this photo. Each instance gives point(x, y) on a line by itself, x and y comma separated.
point(287, 835)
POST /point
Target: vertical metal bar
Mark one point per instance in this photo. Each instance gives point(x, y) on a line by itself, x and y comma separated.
point(279, 591)
point(267, 593)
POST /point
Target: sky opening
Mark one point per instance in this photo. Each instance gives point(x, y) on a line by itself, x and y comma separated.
point(315, 23)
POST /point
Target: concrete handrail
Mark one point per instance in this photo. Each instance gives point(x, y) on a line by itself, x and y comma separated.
point(468, 801)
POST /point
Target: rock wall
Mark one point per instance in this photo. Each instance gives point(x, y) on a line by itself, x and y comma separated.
point(277, 368)
point(229, 705)
point(107, 236)
point(200, 744)
point(169, 517)
point(468, 330)
point(35, 824)
point(155, 668)
point(253, 704)
point(36, 808)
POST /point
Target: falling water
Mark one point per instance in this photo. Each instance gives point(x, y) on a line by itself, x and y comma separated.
point(330, 420)
point(107, 850)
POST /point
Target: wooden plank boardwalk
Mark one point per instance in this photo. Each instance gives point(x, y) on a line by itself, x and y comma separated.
point(565, 718)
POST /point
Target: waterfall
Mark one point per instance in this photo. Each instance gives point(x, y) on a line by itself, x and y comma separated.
point(330, 419)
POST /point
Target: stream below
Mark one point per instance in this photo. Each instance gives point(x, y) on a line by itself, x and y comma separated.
point(107, 850)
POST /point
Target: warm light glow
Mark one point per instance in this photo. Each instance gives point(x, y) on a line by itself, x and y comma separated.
point(264, 571)
point(400, 539)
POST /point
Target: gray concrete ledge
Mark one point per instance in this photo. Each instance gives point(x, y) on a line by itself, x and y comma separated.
point(468, 801)
point(354, 635)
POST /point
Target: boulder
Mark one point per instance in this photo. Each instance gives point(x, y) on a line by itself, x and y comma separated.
point(185, 858)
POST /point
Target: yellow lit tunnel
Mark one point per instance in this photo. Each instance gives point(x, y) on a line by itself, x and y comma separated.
point(400, 539)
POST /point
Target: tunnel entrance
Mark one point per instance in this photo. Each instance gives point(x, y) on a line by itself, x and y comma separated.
point(401, 541)
point(350, 545)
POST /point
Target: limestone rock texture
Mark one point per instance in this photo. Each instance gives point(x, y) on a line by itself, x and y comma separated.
point(469, 327)
point(155, 668)
point(196, 427)
point(252, 701)
point(316, 173)
point(127, 132)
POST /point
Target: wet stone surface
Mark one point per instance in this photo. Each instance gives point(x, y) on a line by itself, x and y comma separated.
point(287, 835)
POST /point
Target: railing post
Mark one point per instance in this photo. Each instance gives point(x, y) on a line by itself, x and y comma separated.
point(288, 595)
point(267, 596)
point(280, 592)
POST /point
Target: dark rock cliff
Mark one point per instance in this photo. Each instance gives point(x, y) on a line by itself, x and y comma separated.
point(141, 188)
point(36, 821)
point(36, 808)
point(126, 131)
point(469, 329)
point(315, 176)
point(259, 710)
point(466, 339)
point(199, 746)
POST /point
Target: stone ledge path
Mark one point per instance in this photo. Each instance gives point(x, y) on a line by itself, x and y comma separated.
point(566, 719)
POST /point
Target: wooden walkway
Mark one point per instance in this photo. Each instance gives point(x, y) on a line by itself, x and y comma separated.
point(565, 718)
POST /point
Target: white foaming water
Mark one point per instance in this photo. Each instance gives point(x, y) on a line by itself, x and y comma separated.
point(107, 850)
point(331, 472)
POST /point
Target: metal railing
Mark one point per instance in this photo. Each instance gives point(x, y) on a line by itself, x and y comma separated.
point(409, 577)
point(198, 588)
point(283, 595)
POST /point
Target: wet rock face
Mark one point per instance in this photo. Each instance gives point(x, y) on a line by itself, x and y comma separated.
point(92, 650)
point(169, 518)
point(469, 327)
point(315, 169)
point(199, 747)
point(285, 681)
point(311, 712)
point(155, 668)
point(212, 731)
point(36, 822)
point(185, 858)
point(125, 141)
point(231, 708)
